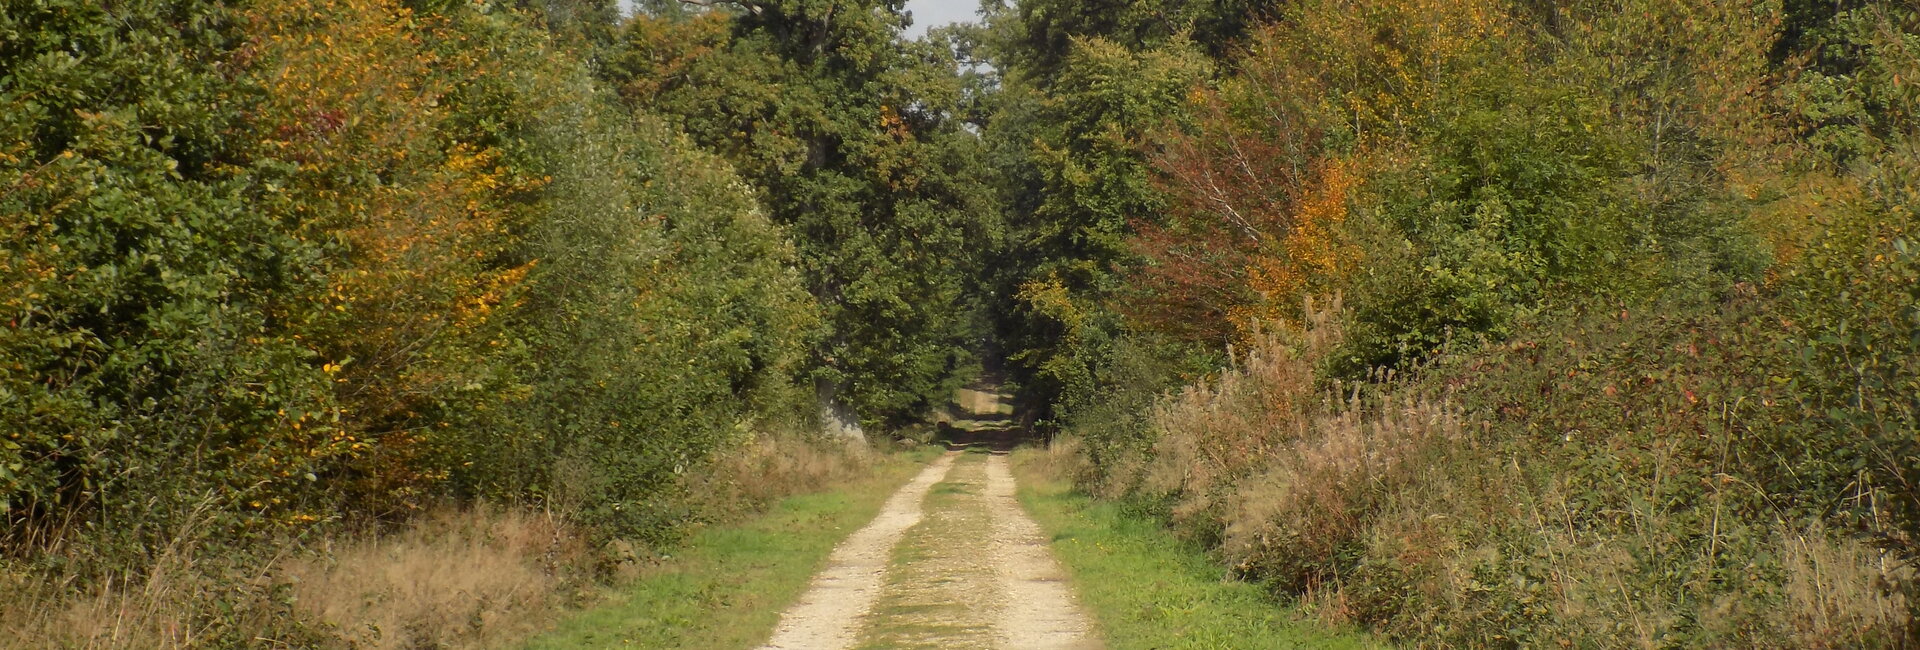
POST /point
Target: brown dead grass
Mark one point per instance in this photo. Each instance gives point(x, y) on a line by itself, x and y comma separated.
point(467, 576)
point(770, 468)
point(1065, 457)
point(1838, 591)
point(148, 613)
point(1395, 509)
point(457, 578)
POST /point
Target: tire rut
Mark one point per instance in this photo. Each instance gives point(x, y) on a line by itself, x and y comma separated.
point(845, 591)
point(1042, 612)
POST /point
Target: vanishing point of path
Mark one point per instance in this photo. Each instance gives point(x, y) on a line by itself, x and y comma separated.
point(950, 562)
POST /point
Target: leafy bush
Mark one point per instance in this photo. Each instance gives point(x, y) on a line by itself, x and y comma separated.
point(153, 383)
point(1629, 354)
point(666, 319)
point(1606, 475)
point(272, 265)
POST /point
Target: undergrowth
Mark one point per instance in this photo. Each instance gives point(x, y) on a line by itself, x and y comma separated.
point(1146, 588)
point(455, 576)
point(1649, 377)
point(1655, 478)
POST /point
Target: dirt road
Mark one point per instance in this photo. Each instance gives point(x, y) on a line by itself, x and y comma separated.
point(846, 589)
point(951, 562)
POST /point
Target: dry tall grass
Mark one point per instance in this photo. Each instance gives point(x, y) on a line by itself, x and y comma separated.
point(457, 577)
point(152, 612)
point(1395, 507)
point(465, 576)
point(769, 468)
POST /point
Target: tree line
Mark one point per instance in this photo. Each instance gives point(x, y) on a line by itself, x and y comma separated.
point(1447, 267)
point(1483, 323)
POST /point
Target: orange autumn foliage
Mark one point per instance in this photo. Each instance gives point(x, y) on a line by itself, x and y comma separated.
point(354, 98)
point(1254, 225)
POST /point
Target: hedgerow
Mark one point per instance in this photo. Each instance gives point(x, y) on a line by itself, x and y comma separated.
point(277, 266)
point(1623, 350)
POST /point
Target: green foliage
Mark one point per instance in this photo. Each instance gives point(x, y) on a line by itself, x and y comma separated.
point(1851, 365)
point(1093, 175)
point(665, 318)
point(438, 261)
point(1630, 356)
point(1504, 166)
point(148, 378)
point(1518, 196)
point(1079, 178)
point(848, 134)
point(1851, 102)
point(1045, 33)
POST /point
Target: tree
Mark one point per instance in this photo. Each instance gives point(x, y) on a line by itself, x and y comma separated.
point(1045, 31)
point(1073, 141)
point(1256, 219)
point(852, 139)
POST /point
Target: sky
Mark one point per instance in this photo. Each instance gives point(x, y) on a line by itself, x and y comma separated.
point(934, 13)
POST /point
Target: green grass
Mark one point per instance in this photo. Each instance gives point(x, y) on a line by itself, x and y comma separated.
point(726, 587)
point(1149, 589)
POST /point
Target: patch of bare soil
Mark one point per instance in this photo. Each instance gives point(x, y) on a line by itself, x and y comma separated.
point(1041, 612)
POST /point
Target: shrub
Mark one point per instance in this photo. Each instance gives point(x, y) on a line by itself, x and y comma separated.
point(151, 385)
point(1452, 166)
point(272, 266)
point(1604, 476)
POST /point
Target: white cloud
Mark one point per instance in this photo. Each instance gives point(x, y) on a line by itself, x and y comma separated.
point(936, 13)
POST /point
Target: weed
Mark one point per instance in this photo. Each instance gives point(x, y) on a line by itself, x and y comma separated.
point(1148, 589)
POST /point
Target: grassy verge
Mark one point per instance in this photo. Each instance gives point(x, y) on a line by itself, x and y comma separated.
point(726, 587)
point(1147, 588)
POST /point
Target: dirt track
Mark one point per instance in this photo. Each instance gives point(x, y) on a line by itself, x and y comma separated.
point(952, 561)
point(1043, 612)
point(846, 589)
